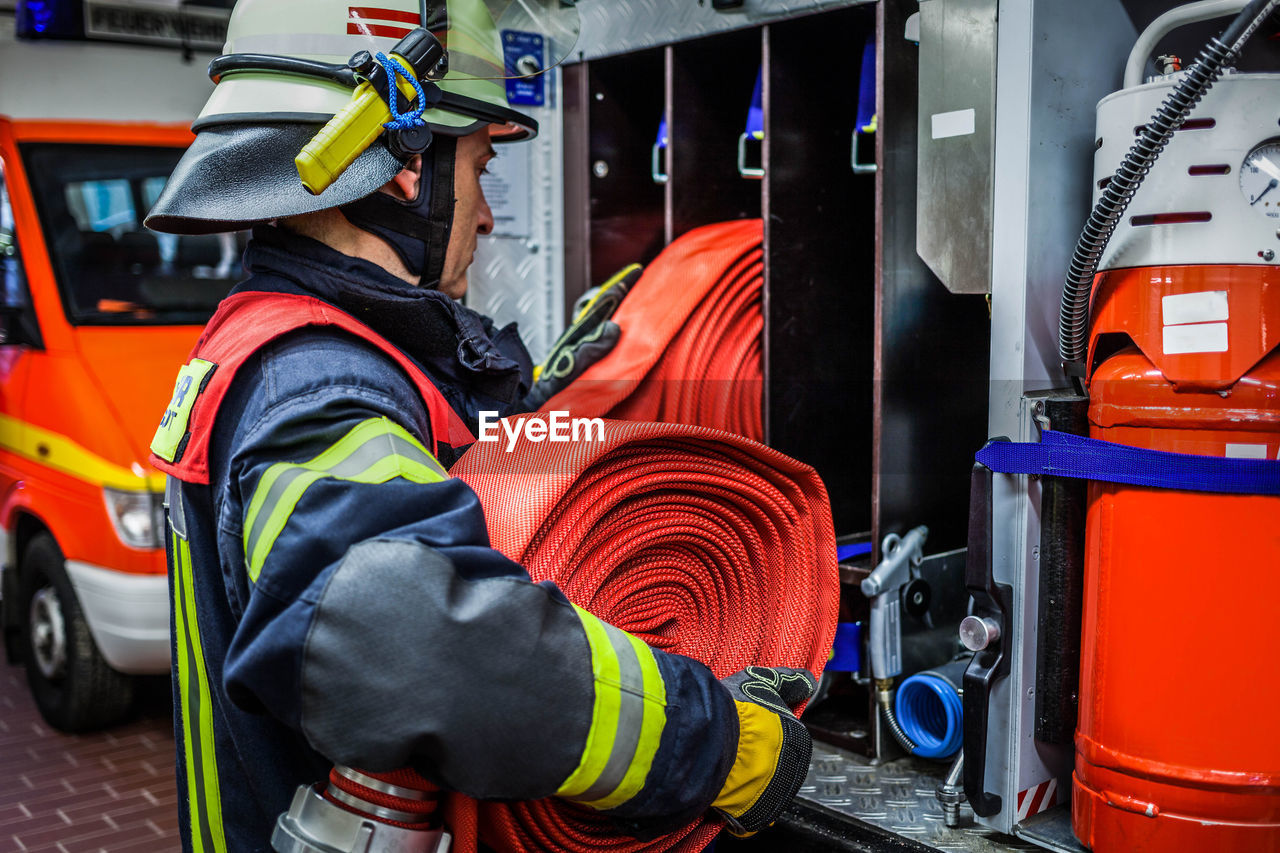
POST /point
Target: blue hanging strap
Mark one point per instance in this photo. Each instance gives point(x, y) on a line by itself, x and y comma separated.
point(399, 120)
point(867, 87)
point(657, 169)
point(755, 113)
point(1060, 454)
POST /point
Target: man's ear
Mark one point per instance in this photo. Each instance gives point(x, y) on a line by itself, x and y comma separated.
point(404, 186)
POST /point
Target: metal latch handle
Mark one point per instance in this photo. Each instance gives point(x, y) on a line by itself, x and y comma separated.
point(991, 601)
point(755, 173)
point(656, 168)
point(859, 167)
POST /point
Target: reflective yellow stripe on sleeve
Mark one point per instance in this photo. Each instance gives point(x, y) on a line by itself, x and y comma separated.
point(627, 719)
point(374, 451)
point(204, 798)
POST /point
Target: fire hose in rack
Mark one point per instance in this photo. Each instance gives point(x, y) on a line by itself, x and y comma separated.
point(690, 349)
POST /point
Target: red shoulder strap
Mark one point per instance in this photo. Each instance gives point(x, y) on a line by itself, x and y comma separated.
point(246, 322)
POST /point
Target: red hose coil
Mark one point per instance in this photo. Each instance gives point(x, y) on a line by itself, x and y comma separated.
point(690, 349)
point(698, 541)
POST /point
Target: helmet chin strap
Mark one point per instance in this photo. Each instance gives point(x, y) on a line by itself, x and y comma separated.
point(418, 230)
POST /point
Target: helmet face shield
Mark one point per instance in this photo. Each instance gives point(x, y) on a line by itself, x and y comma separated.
point(285, 74)
point(470, 31)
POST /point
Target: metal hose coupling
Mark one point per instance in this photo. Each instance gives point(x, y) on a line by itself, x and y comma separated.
point(363, 813)
point(950, 792)
point(884, 697)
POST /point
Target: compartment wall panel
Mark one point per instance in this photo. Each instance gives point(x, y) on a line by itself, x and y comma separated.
point(932, 346)
point(708, 111)
point(577, 185)
point(627, 209)
point(820, 263)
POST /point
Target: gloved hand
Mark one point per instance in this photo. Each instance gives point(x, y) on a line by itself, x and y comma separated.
point(588, 339)
point(773, 746)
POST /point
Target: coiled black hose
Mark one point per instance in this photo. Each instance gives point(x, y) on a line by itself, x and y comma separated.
point(1073, 321)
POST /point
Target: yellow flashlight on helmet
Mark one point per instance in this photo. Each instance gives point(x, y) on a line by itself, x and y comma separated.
point(345, 137)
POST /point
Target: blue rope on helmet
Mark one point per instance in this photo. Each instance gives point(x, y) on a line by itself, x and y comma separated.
point(399, 120)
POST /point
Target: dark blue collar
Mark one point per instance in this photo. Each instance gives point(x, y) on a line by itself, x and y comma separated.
point(458, 347)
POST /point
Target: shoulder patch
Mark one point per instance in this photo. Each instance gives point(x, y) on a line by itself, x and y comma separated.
point(172, 435)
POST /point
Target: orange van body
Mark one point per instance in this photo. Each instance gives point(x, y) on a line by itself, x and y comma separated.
point(84, 409)
point(84, 378)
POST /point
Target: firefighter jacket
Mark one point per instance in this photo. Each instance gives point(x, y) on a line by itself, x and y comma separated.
point(335, 598)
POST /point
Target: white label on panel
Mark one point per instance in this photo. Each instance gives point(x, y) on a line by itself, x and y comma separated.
point(1205, 307)
point(507, 189)
point(957, 123)
point(1246, 451)
point(1199, 337)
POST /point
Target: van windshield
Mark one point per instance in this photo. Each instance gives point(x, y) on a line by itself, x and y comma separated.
point(111, 270)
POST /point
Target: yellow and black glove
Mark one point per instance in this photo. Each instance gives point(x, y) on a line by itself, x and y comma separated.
point(588, 339)
point(773, 746)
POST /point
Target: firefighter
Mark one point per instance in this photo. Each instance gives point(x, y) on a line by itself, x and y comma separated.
point(334, 595)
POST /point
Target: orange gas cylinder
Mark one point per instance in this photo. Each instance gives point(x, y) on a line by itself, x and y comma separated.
point(1178, 740)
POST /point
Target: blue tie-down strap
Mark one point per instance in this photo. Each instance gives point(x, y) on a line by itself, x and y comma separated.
point(1060, 454)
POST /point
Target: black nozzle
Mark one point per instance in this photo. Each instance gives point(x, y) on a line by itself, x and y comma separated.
point(422, 49)
point(362, 63)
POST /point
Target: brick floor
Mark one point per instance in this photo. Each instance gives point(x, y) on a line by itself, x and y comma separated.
point(108, 792)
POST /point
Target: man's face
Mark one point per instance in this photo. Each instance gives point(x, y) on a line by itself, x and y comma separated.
point(471, 214)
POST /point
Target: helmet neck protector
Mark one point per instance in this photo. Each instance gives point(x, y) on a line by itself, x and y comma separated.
point(418, 229)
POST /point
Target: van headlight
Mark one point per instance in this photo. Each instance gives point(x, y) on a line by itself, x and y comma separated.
point(138, 517)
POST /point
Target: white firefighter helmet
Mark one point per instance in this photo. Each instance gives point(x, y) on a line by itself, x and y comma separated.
point(287, 70)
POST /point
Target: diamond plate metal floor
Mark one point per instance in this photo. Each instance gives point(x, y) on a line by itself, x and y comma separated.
point(897, 796)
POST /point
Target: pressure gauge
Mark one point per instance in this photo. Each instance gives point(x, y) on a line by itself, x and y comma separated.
point(1260, 179)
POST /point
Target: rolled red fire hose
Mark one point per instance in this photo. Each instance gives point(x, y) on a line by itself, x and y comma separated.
point(696, 540)
point(690, 349)
point(693, 538)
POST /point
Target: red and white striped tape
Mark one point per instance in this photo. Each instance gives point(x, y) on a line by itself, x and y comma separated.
point(380, 23)
point(1037, 799)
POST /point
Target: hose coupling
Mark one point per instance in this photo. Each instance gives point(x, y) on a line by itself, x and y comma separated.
point(950, 792)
